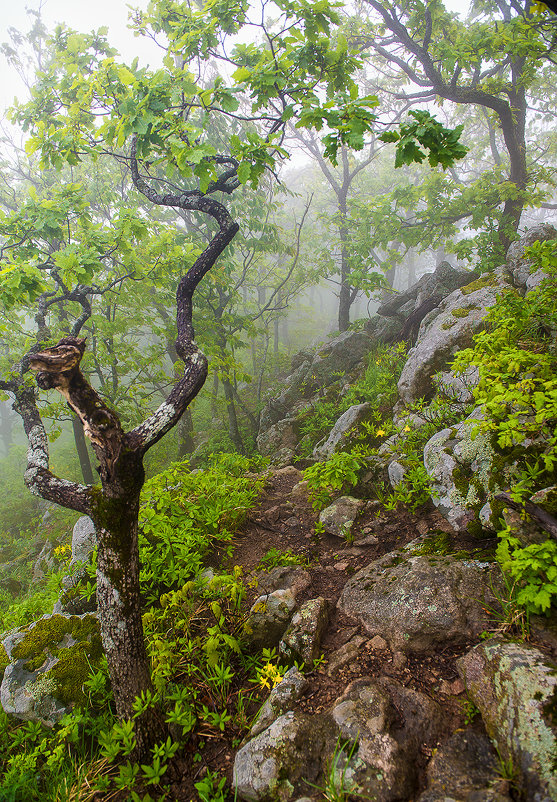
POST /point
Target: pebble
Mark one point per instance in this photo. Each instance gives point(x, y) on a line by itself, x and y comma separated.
point(378, 644)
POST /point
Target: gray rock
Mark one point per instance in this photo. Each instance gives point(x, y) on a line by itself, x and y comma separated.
point(84, 540)
point(397, 472)
point(50, 660)
point(339, 517)
point(416, 601)
point(268, 619)
point(328, 364)
point(515, 688)
point(281, 699)
point(283, 577)
point(519, 266)
point(384, 329)
point(302, 639)
point(344, 428)
point(444, 280)
point(279, 441)
point(458, 387)
point(385, 726)
point(347, 653)
point(269, 766)
point(460, 462)
point(465, 769)
point(447, 329)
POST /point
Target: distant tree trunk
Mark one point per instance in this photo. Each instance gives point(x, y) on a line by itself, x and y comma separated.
point(186, 443)
point(215, 395)
point(233, 428)
point(345, 294)
point(82, 453)
point(6, 426)
point(411, 265)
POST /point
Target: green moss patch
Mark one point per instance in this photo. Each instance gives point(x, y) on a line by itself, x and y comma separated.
point(487, 280)
point(47, 638)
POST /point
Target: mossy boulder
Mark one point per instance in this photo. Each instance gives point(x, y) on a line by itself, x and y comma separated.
point(302, 639)
point(446, 330)
point(464, 468)
point(515, 688)
point(49, 663)
point(418, 599)
point(268, 619)
point(289, 751)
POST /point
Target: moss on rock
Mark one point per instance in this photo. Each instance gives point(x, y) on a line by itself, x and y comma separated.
point(73, 641)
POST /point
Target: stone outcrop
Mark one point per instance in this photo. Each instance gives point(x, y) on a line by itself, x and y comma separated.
point(302, 639)
point(313, 373)
point(515, 688)
point(416, 601)
point(446, 330)
point(346, 425)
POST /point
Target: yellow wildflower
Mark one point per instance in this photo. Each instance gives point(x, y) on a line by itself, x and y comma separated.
point(269, 676)
point(380, 432)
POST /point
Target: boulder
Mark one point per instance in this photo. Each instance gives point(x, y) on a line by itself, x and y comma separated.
point(49, 662)
point(460, 462)
point(465, 768)
point(384, 330)
point(446, 330)
point(521, 267)
point(281, 699)
point(515, 688)
point(320, 370)
point(346, 426)
point(283, 577)
point(338, 518)
point(383, 726)
point(268, 619)
point(419, 600)
point(302, 639)
point(279, 441)
point(84, 540)
point(72, 600)
point(444, 280)
point(269, 766)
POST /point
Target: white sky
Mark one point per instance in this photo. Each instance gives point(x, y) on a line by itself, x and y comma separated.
point(84, 16)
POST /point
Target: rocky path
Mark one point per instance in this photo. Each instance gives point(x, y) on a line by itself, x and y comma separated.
point(348, 655)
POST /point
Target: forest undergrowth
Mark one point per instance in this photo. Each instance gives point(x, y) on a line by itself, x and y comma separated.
point(207, 687)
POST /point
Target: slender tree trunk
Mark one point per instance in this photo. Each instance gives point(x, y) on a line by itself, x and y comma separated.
point(215, 395)
point(82, 452)
point(344, 299)
point(186, 442)
point(233, 428)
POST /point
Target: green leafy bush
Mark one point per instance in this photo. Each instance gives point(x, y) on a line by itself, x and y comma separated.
point(184, 513)
point(517, 362)
point(377, 386)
